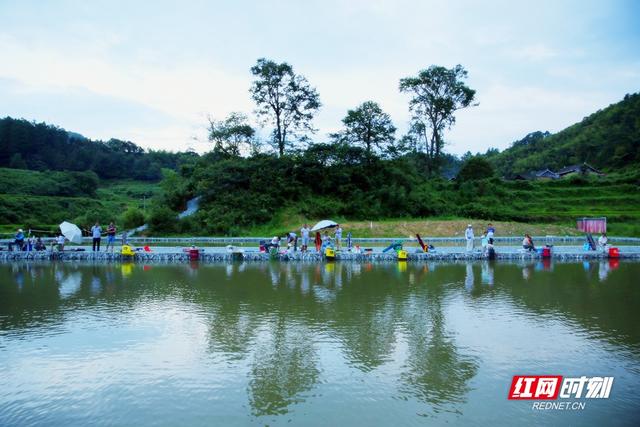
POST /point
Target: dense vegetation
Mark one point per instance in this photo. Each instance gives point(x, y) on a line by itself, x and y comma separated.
point(341, 182)
point(41, 200)
point(608, 139)
point(41, 147)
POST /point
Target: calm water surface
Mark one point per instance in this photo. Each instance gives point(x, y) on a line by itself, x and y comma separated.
point(327, 344)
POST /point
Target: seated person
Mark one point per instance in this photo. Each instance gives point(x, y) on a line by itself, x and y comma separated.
point(19, 239)
point(39, 246)
point(326, 241)
point(603, 241)
point(275, 243)
point(527, 243)
point(60, 242)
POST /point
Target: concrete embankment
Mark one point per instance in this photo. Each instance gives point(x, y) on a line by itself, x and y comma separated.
point(173, 254)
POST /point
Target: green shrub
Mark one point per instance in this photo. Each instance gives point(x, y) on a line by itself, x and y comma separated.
point(475, 168)
point(132, 218)
point(163, 219)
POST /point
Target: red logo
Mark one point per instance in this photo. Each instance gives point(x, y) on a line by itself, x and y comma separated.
point(535, 387)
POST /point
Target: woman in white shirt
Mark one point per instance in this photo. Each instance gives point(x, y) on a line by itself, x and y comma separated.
point(603, 241)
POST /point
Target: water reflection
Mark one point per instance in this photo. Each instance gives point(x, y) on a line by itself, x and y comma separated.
point(488, 273)
point(284, 367)
point(468, 278)
point(277, 319)
point(437, 371)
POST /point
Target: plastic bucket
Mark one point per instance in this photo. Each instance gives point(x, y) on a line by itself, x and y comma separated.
point(614, 253)
point(194, 254)
point(127, 251)
point(546, 252)
point(329, 253)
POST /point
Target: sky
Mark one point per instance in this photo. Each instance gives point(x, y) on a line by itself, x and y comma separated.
point(152, 72)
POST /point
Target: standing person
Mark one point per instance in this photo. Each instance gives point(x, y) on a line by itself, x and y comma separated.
point(124, 237)
point(490, 231)
point(96, 233)
point(491, 251)
point(111, 236)
point(338, 236)
point(304, 232)
point(468, 234)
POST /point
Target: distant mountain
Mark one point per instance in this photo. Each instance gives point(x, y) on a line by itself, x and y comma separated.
point(76, 135)
point(41, 147)
point(608, 139)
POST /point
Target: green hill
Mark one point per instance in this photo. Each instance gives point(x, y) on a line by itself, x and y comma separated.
point(41, 147)
point(608, 139)
point(40, 200)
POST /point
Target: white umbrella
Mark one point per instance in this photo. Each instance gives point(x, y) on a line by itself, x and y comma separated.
point(325, 223)
point(71, 232)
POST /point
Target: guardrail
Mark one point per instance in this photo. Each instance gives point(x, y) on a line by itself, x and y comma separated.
point(178, 241)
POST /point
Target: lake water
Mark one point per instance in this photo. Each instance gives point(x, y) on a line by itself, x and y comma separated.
point(306, 344)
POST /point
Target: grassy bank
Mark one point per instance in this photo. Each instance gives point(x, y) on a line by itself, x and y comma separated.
point(405, 227)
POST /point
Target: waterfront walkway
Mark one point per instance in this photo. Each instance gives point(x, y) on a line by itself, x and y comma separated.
point(221, 254)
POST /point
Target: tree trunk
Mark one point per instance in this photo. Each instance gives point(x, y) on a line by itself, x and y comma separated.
point(279, 136)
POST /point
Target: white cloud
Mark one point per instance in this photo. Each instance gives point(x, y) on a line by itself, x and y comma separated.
point(507, 113)
point(184, 92)
point(535, 52)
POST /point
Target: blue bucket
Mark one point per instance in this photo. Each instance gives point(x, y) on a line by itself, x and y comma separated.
point(539, 251)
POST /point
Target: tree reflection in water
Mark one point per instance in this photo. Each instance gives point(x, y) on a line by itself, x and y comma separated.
point(270, 322)
point(436, 371)
point(284, 367)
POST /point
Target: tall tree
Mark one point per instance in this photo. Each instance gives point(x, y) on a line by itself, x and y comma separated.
point(284, 99)
point(367, 126)
point(230, 135)
point(437, 93)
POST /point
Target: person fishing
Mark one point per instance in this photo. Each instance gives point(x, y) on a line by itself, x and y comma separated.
point(96, 234)
point(468, 234)
point(527, 243)
point(19, 239)
point(111, 237)
point(304, 231)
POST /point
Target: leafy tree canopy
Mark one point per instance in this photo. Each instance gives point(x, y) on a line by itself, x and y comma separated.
point(232, 135)
point(284, 99)
point(436, 94)
point(367, 126)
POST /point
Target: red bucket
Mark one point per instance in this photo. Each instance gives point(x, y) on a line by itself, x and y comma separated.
point(614, 253)
point(546, 252)
point(194, 254)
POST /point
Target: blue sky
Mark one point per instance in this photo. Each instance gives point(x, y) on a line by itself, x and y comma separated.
point(152, 72)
